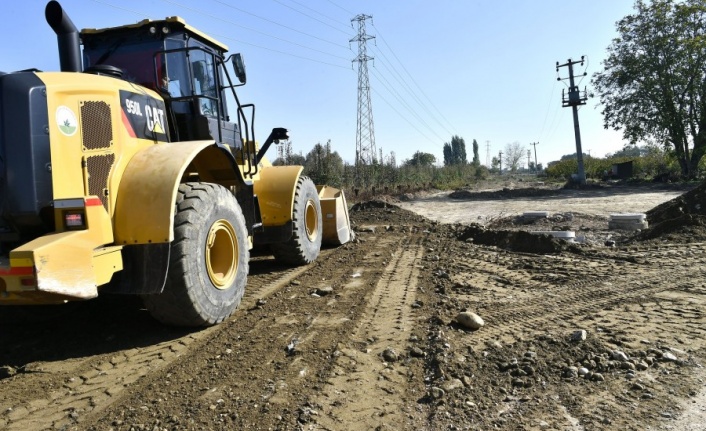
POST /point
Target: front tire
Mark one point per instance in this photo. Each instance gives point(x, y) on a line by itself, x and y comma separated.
point(208, 262)
point(305, 244)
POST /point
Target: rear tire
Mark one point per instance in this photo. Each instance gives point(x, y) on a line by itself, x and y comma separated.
point(304, 245)
point(208, 262)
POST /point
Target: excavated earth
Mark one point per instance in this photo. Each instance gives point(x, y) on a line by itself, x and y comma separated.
point(605, 334)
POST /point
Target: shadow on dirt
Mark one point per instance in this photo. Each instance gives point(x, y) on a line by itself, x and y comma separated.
point(107, 324)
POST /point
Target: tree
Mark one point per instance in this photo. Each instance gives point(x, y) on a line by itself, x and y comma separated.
point(324, 166)
point(476, 157)
point(421, 159)
point(288, 156)
point(653, 84)
point(512, 155)
point(495, 164)
point(448, 155)
point(455, 152)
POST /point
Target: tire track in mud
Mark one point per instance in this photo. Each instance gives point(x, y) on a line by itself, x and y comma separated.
point(270, 357)
point(91, 385)
point(535, 303)
point(363, 391)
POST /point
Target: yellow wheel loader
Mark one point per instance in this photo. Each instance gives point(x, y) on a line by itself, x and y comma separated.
point(127, 172)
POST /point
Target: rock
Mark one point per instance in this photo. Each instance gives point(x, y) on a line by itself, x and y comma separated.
point(627, 366)
point(452, 385)
point(518, 373)
point(668, 357)
point(323, 291)
point(518, 383)
point(637, 387)
point(619, 356)
point(389, 355)
point(641, 366)
point(583, 371)
point(579, 335)
point(570, 372)
point(7, 371)
point(597, 377)
point(290, 348)
point(416, 352)
point(610, 243)
point(442, 274)
point(470, 320)
point(436, 393)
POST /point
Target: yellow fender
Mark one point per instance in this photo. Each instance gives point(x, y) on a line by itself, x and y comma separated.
point(144, 210)
point(275, 192)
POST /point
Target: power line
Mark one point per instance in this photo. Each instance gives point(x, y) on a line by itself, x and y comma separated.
point(400, 79)
point(123, 9)
point(411, 77)
point(224, 37)
point(268, 20)
point(227, 21)
point(279, 52)
point(311, 17)
point(403, 102)
point(403, 117)
point(342, 8)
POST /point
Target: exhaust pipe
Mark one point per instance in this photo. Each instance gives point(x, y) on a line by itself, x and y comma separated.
point(67, 37)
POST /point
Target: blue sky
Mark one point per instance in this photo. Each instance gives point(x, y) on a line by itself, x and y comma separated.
point(479, 69)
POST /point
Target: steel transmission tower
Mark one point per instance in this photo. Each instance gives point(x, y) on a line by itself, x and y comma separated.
point(365, 130)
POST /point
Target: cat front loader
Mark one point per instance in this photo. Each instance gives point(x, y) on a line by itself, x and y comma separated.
point(127, 172)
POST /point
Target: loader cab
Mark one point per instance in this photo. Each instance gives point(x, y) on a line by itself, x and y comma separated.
point(185, 66)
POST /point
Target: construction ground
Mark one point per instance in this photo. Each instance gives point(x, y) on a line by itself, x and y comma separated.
point(607, 333)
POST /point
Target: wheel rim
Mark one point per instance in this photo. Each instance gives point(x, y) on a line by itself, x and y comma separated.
point(311, 217)
point(222, 254)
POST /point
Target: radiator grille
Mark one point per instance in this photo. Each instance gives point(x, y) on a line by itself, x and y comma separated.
point(98, 170)
point(96, 125)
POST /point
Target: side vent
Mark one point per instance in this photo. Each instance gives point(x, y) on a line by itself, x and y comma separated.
point(96, 126)
point(98, 170)
point(97, 136)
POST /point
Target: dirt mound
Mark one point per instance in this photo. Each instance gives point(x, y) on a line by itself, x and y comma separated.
point(505, 193)
point(519, 241)
point(682, 219)
point(362, 206)
point(377, 211)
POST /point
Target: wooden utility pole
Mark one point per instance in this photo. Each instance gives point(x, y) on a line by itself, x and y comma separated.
point(574, 98)
point(534, 144)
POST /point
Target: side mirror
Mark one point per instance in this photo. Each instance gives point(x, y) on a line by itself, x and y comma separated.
point(239, 67)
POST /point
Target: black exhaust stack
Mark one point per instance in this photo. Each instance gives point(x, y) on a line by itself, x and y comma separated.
point(67, 37)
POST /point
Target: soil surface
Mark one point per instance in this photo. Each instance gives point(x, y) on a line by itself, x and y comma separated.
point(450, 317)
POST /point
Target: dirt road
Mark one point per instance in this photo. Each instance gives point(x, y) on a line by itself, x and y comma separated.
point(366, 338)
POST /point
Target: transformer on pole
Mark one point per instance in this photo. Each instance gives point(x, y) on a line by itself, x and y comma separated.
point(574, 98)
point(365, 130)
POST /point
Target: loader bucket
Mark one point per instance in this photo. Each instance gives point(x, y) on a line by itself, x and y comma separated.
point(334, 213)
